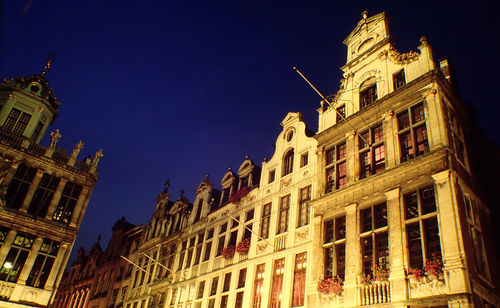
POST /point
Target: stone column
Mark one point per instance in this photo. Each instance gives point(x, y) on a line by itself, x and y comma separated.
point(9, 239)
point(56, 267)
point(451, 234)
point(399, 291)
point(351, 160)
point(55, 199)
point(10, 174)
point(352, 266)
point(320, 166)
point(30, 261)
point(390, 140)
point(78, 207)
point(31, 191)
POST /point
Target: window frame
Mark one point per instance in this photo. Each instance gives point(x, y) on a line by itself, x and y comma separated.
point(367, 152)
point(409, 126)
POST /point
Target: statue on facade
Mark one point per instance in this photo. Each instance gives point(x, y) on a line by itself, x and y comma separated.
point(76, 150)
point(96, 159)
point(54, 138)
point(4, 169)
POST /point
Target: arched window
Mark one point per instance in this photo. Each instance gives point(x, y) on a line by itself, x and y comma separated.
point(288, 163)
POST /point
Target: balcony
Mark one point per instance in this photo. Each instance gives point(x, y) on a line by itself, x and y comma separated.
point(378, 292)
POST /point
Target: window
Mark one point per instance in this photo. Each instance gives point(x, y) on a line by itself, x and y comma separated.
point(43, 264)
point(226, 193)
point(18, 253)
point(398, 79)
point(201, 289)
point(198, 248)
point(239, 300)
point(222, 239)
point(374, 238)
point(283, 214)
point(124, 291)
point(474, 223)
point(242, 277)
point(198, 210)
point(277, 287)
point(336, 167)
point(3, 235)
point(457, 138)
point(421, 225)
point(43, 195)
point(367, 95)
point(213, 289)
point(265, 221)
point(190, 252)
point(304, 198)
point(16, 121)
point(304, 159)
point(272, 175)
point(334, 247)
point(38, 130)
point(67, 203)
point(341, 110)
point(299, 280)
point(371, 152)
point(227, 282)
point(19, 186)
point(208, 244)
point(258, 285)
point(181, 255)
point(223, 301)
point(412, 133)
point(287, 163)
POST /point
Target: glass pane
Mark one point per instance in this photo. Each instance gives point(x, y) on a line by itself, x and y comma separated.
point(428, 201)
point(366, 220)
point(380, 215)
point(340, 228)
point(414, 245)
point(411, 205)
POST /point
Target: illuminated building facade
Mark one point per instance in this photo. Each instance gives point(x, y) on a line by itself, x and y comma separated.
point(44, 194)
point(381, 207)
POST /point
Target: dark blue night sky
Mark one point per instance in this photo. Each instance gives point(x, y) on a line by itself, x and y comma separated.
point(176, 89)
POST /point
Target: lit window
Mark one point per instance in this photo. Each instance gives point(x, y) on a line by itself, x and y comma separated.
point(277, 287)
point(371, 152)
point(288, 163)
point(299, 280)
point(258, 286)
point(67, 203)
point(421, 225)
point(412, 133)
point(18, 253)
point(304, 209)
point(334, 247)
point(398, 79)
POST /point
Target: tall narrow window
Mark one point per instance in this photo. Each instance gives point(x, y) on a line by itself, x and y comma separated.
point(336, 167)
point(476, 234)
point(198, 210)
point(340, 111)
point(277, 287)
point(242, 278)
point(265, 221)
point(299, 280)
point(271, 176)
point(208, 244)
point(190, 250)
point(239, 300)
point(398, 79)
point(198, 248)
point(371, 152)
point(283, 214)
point(374, 238)
point(43, 263)
point(367, 93)
point(222, 239)
point(287, 163)
point(67, 203)
point(334, 247)
point(181, 255)
point(305, 197)
point(43, 195)
point(412, 133)
point(38, 130)
point(19, 186)
point(16, 121)
point(215, 283)
point(304, 159)
point(18, 253)
point(421, 225)
point(258, 286)
point(227, 282)
point(201, 289)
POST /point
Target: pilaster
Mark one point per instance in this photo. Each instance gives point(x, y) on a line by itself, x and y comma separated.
point(435, 128)
point(390, 140)
point(30, 261)
point(450, 231)
point(320, 166)
point(10, 174)
point(397, 277)
point(31, 191)
point(351, 157)
point(56, 267)
point(352, 266)
point(56, 198)
point(9, 239)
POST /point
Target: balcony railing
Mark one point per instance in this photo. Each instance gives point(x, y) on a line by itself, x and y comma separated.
point(378, 292)
point(280, 243)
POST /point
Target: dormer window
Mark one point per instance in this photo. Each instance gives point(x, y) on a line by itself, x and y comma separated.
point(288, 163)
point(367, 93)
point(16, 121)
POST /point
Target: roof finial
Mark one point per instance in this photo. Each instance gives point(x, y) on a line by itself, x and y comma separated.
point(364, 14)
point(167, 185)
point(51, 57)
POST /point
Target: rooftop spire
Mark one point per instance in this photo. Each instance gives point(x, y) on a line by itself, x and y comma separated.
point(51, 57)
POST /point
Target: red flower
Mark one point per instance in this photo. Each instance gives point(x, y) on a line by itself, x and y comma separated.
point(228, 252)
point(331, 286)
point(239, 194)
point(434, 266)
point(417, 273)
point(243, 247)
